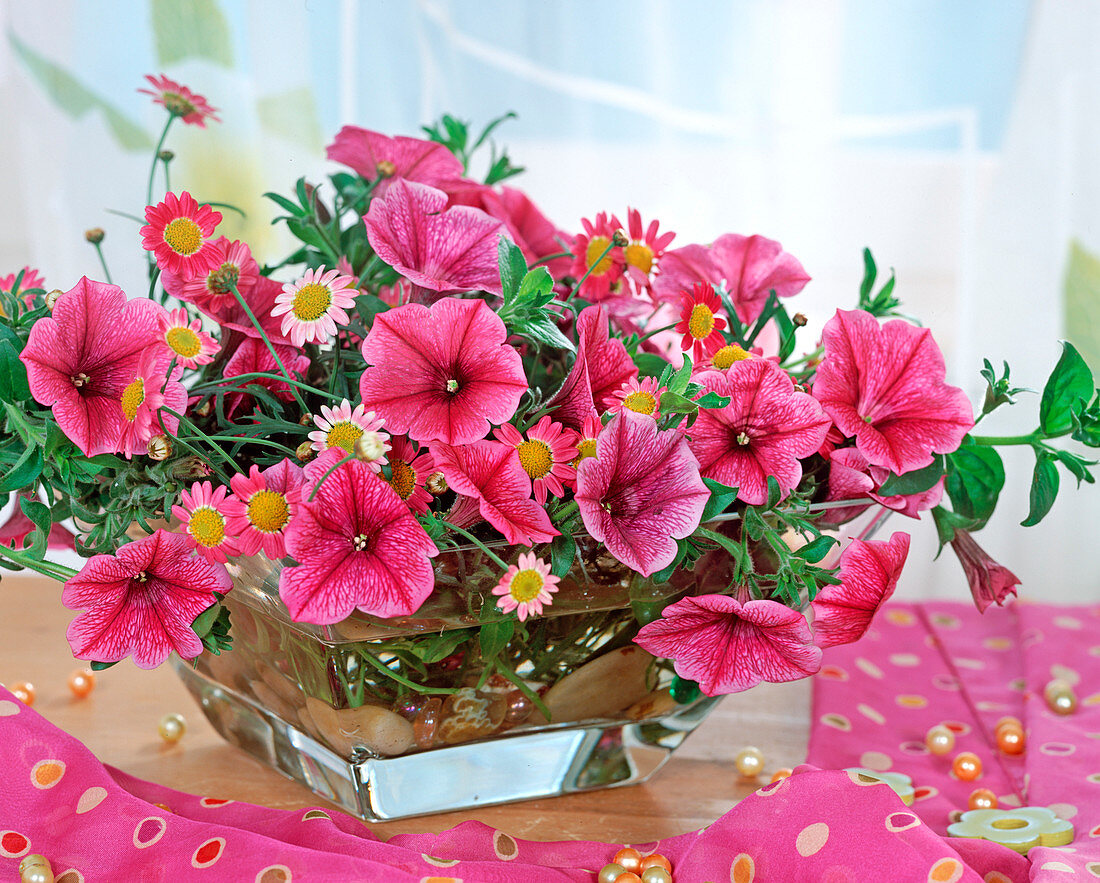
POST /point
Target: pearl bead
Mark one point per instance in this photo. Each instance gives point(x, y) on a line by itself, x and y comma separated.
point(1009, 721)
point(1011, 740)
point(967, 766)
point(23, 691)
point(749, 762)
point(628, 877)
point(172, 727)
point(610, 873)
point(656, 860)
point(782, 773)
point(82, 682)
point(1060, 697)
point(982, 798)
point(940, 740)
point(656, 874)
point(35, 868)
point(629, 858)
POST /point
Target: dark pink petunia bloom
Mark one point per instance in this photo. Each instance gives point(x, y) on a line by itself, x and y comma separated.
point(438, 248)
point(491, 473)
point(142, 601)
point(443, 373)
point(374, 155)
point(851, 477)
point(884, 385)
point(641, 492)
point(81, 359)
point(765, 430)
point(869, 572)
point(750, 267)
point(990, 582)
point(252, 356)
point(357, 546)
point(728, 646)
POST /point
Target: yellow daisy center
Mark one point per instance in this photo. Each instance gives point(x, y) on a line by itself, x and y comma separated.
point(729, 354)
point(311, 302)
point(586, 447)
point(223, 279)
point(402, 478)
point(536, 458)
point(177, 104)
point(183, 236)
point(184, 342)
point(268, 511)
point(639, 255)
point(701, 322)
point(344, 434)
point(640, 401)
point(132, 397)
point(207, 526)
point(596, 247)
point(526, 585)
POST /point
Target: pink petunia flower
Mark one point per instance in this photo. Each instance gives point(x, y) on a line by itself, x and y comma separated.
point(527, 587)
point(884, 385)
point(641, 492)
point(150, 389)
point(342, 426)
point(203, 520)
point(409, 470)
point(251, 356)
point(357, 546)
point(700, 324)
point(81, 358)
point(990, 582)
point(869, 572)
point(178, 232)
point(142, 601)
point(442, 373)
point(546, 454)
point(642, 396)
point(262, 505)
point(312, 306)
point(188, 342)
point(589, 250)
point(180, 101)
point(490, 473)
point(375, 156)
point(765, 430)
point(728, 646)
point(438, 248)
point(642, 254)
point(851, 477)
point(234, 266)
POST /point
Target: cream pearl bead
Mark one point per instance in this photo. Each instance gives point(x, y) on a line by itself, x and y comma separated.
point(35, 868)
point(1060, 697)
point(656, 875)
point(940, 740)
point(609, 873)
point(749, 762)
point(172, 727)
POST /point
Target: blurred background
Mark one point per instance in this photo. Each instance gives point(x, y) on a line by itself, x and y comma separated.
point(957, 140)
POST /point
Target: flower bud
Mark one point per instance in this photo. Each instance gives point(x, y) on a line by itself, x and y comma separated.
point(191, 468)
point(436, 484)
point(205, 409)
point(160, 447)
point(799, 320)
point(305, 420)
point(95, 235)
point(304, 451)
point(619, 239)
point(52, 296)
point(166, 156)
point(370, 446)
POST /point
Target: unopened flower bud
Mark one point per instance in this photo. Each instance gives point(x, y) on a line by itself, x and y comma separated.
point(166, 156)
point(436, 484)
point(386, 169)
point(95, 235)
point(205, 409)
point(305, 420)
point(370, 446)
point(618, 238)
point(52, 296)
point(160, 447)
point(799, 320)
point(191, 468)
point(304, 451)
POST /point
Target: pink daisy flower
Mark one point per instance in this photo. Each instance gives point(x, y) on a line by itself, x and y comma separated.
point(31, 282)
point(261, 507)
point(409, 469)
point(586, 442)
point(188, 342)
point(727, 646)
point(885, 385)
point(526, 587)
point(151, 388)
point(82, 357)
point(700, 324)
point(312, 306)
point(178, 234)
point(357, 546)
point(642, 254)
point(641, 492)
point(546, 454)
point(142, 601)
point(442, 373)
point(203, 520)
point(180, 101)
point(640, 396)
point(234, 266)
point(720, 355)
point(377, 156)
point(990, 582)
point(341, 427)
point(252, 356)
point(587, 249)
point(765, 430)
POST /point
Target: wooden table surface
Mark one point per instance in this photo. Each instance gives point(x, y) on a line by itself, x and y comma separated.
point(118, 722)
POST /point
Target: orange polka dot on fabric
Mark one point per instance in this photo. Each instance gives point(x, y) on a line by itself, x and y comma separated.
point(274, 874)
point(47, 773)
point(911, 700)
point(812, 839)
point(743, 869)
point(946, 870)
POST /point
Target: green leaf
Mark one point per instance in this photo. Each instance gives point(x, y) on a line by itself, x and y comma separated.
point(13, 375)
point(495, 636)
point(816, 549)
point(674, 403)
point(26, 469)
point(712, 400)
point(204, 622)
point(975, 476)
point(513, 267)
point(870, 271)
point(101, 666)
point(537, 286)
point(915, 482)
point(1069, 382)
point(286, 205)
point(541, 328)
point(1077, 466)
point(947, 522)
point(563, 551)
point(1044, 489)
point(665, 574)
point(721, 496)
point(650, 364)
point(775, 493)
point(195, 29)
point(441, 646)
point(39, 513)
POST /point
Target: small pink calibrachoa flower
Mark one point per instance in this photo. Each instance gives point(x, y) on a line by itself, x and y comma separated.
point(203, 521)
point(180, 101)
point(409, 470)
point(589, 250)
point(312, 306)
point(546, 454)
point(700, 324)
point(261, 507)
point(178, 232)
point(150, 388)
point(640, 396)
point(188, 342)
point(342, 426)
point(527, 587)
point(142, 601)
point(234, 267)
point(642, 255)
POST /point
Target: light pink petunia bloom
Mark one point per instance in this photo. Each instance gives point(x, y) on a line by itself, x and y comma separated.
point(261, 507)
point(491, 473)
point(142, 601)
point(727, 646)
point(357, 546)
point(442, 373)
point(312, 306)
point(438, 248)
point(869, 571)
point(150, 389)
point(377, 156)
point(851, 477)
point(990, 582)
point(81, 358)
point(203, 521)
point(409, 470)
point(185, 338)
point(251, 356)
point(884, 385)
point(526, 587)
point(179, 232)
point(546, 454)
point(749, 267)
point(765, 430)
point(641, 492)
point(180, 101)
point(234, 266)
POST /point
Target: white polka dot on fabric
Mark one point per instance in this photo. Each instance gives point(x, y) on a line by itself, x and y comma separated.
point(8, 708)
point(1057, 749)
point(1064, 673)
point(811, 839)
point(90, 799)
point(905, 660)
point(1057, 866)
point(1068, 622)
point(870, 714)
point(1063, 810)
point(876, 760)
point(869, 668)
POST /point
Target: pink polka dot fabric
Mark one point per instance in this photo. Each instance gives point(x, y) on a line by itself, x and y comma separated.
point(922, 665)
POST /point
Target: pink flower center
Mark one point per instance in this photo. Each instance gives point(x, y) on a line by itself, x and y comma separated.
point(639, 255)
point(132, 397)
point(224, 279)
point(80, 380)
point(701, 323)
point(183, 236)
point(344, 434)
point(641, 402)
point(207, 526)
point(729, 354)
point(268, 511)
point(526, 585)
point(311, 302)
point(597, 245)
point(142, 576)
point(535, 457)
point(402, 478)
point(184, 342)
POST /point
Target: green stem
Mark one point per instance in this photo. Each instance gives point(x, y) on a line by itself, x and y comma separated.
point(270, 348)
point(329, 472)
point(56, 571)
point(103, 262)
point(552, 257)
point(809, 357)
point(200, 434)
point(588, 272)
point(401, 679)
point(250, 440)
point(657, 331)
point(476, 542)
point(156, 158)
point(195, 451)
point(1004, 440)
point(231, 383)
